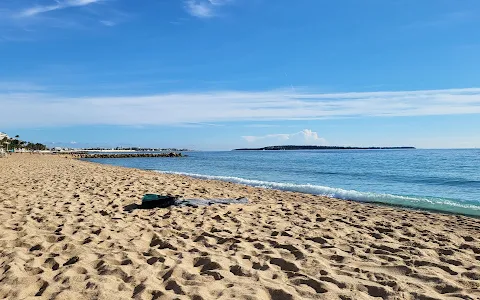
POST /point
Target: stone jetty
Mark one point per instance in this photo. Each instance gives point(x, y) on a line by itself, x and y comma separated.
point(127, 155)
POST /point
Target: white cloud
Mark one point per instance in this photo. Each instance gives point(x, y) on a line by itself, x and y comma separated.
point(203, 8)
point(303, 137)
point(35, 10)
point(39, 108)
point(199, 9)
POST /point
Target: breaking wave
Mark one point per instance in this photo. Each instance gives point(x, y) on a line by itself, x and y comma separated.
point(429, 203)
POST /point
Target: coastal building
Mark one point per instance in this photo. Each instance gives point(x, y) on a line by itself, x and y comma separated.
point(3, 135)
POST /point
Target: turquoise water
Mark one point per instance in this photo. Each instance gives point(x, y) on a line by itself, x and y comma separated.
point(443, 180)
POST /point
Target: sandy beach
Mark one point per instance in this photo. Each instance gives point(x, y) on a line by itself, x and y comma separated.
point(69, 230)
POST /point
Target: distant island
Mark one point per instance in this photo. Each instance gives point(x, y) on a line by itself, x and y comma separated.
point(293, 147)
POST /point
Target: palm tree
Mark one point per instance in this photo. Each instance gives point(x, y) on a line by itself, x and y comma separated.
point(7, 143)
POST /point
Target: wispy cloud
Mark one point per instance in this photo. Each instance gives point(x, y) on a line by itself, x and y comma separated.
point(204, 8)
point(40, 108)
point(261, 125)
point(108, 23)
point(14, 86)
point(35, 10)
point(305, 136)
point(443, 20)
point(32, 20)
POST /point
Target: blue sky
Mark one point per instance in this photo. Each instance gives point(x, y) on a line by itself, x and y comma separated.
point(220, 74)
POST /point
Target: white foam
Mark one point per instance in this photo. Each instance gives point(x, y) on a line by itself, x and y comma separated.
point(419, 202)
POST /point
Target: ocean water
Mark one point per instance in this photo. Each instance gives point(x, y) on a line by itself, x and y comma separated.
point(441, 180)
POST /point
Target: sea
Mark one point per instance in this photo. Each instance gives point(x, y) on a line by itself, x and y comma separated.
point(434, 180)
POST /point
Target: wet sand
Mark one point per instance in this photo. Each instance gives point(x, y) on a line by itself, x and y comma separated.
point(69, 230)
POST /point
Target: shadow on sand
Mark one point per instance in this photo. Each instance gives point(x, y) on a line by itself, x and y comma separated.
point(134, 206)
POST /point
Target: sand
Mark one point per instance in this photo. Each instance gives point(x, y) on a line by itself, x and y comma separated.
point(66, 232)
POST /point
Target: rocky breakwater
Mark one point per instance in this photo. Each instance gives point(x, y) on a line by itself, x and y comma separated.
point(128, 155)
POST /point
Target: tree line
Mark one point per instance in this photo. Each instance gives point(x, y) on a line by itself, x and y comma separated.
point(17, 143)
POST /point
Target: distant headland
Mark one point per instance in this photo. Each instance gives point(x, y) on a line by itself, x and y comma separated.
point(293, 147)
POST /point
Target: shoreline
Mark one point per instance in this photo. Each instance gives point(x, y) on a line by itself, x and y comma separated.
point(383, 204)
point(64, 234)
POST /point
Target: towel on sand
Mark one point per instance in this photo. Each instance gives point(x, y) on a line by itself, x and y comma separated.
point(165, 201)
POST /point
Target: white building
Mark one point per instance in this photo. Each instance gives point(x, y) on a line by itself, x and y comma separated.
point(3, 135)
